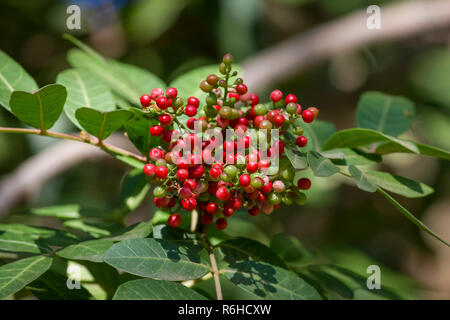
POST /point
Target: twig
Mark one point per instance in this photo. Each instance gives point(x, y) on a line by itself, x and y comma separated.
point(399, 20)
point(215, 270)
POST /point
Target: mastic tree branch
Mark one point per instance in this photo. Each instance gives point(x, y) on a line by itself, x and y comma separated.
point(290, 57)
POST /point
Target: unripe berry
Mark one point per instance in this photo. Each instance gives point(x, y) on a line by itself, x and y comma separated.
point(145, 100)
point(278, 186)
point(260, 109)
point(274, 198)
point(307, 116)
point(231, 171)
point(276, 96)
point(227, 59)
point(174, 220)
point(301, 141)
point(161, 172)
point(212, 79)
point(314, 110)
point(300, 199)
point(205, 86)
point(149, 169)
point(171, 93)
point(159, 191)
point(291, 108)
point(304, 183)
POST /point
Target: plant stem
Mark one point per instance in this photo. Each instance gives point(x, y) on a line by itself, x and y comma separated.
point(215, 270)
point(92, 141)
point(194, 220)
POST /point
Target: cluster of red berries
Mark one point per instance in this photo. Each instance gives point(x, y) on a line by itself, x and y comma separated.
point(219, 176)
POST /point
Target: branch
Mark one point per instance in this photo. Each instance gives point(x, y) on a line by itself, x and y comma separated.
point(215, 270)
point(348, 33)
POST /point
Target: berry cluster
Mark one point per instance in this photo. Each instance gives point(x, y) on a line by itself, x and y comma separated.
point(216, 169)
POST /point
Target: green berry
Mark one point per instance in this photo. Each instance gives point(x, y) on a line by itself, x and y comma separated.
point(225, 112)
point(260, 109)
point(300, 199)
point(287, 200)
point(231, 171)
point(291, 108)
point(274, 198)
point(159, 191)
point(287, 174)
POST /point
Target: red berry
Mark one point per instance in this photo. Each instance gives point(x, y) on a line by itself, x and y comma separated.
point(174, 220)
point(196, 171)
point(149, 169)
point(145, 100)
point(190, 111)
point(255, 99)
point(156, 131)
point(223, 194)
point(156, 93)
point(161, 102)
point(190, 123)
point(161, 172)
point(191, 184)
point(171, 93)
point(236, 203)
point(258, 120)
point(193, 101)
point(166, 135)
point(267, 187)
point(244, 180)
point(241, 88)
point(301, 141)
point(165, 119)
point(227, 211)
point(278, 120)
point(207, 219)
point(308, 116)
point(253, 211)
point(182, 164)
point(221, 224)
point(276, 96)
point(212, 208)
point(290, 98)
point(233, 95)
point(252, 167)
point(214, 173)
point(182, 174)
point(304, 183)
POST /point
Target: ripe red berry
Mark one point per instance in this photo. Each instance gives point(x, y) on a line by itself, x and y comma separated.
point(191, 184)
point(276, 96)
point(223, 194)
point(301, 141)
point(244, 180)
point(221, 224)
point(171, 93)
point(161, 172)
point(190, 123)
point(156, 131)
point(149, 169)
point(145, 100)
point(304, 183)
point(254, 211)
point(165, 119)
point(196, 171)
point(233, 95)
point(212, 208)
point(308, 116)
point(278, 120)
point(182, 174)
point(290, 98)
point(190, 111)
point(258, 120)
point(252, 167)
point(174, 220)
point(161, 102)
point(207, 219)
point(214, 173)
point(182, 164)
point(255, 99)
point(241, 89)
point(193, 101)
point(156, 154)
point(227, 211)
point(166, 135)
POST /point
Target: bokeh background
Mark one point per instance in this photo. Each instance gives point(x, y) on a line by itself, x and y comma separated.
point(169, 37)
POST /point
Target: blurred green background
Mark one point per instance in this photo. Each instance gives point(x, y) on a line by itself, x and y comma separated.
point(169, 37)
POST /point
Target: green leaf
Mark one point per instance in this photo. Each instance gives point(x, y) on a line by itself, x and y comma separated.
point(188, 84)
point(317, 133)
point(391, 115)
point(16, 275)
point(410, 216)
point(84, 89)
point(20, 243)
point(70, 211)
point(94, 229)
point(53, 286)
point(46, 236)
point(399, 185)
point(356, 157)
point(291, 250)
point(424, 149)
point(101, 124)
point(296, 157)
point(158, 259)
point(242, 248)
point(350, 138)
point(13, 78)
point(91, 250)
point(138, 131)
point(135, 231)
point(269, 282)
point(322, 167)
point(361, 179)
point(149, 289)
point(134, 190)
point(41, 108)
point(132, 162)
